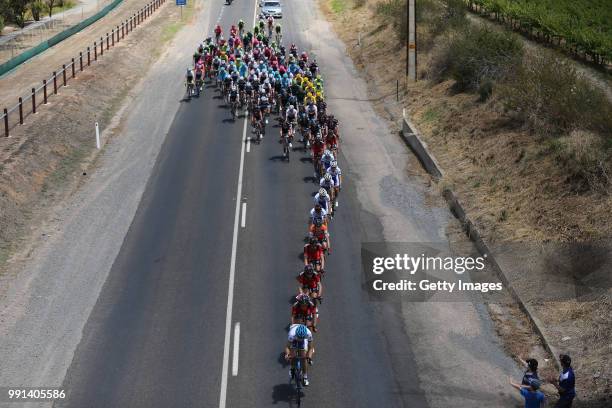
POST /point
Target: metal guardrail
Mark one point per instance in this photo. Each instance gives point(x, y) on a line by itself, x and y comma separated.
point(58, 79)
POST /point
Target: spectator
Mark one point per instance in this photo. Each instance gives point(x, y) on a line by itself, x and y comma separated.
point(566, 383)
point(532, 370)
point(534, 398)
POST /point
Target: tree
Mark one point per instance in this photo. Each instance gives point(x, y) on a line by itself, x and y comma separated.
point(17, 10)
point(36, 7)
point(50, 5)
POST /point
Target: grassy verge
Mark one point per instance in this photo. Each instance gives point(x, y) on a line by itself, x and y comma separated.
point(171, 29)
point(338, 6)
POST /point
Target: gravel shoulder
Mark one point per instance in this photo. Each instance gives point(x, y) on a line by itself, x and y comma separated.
point(50, 286)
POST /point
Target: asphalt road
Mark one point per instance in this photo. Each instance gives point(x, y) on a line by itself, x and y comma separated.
point(157, 335)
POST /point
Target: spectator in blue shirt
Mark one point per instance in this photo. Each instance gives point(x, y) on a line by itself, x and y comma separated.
point(566, 384)
point(534, 398)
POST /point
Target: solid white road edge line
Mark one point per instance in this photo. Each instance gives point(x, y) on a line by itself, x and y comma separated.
point(230, 291)
point(243, 220)
point(236, 349)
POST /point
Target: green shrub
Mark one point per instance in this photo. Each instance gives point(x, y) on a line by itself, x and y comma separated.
point(485, 90)
point(37, 7)
point(473, 55)
point(395, 11)
point(1, 24)
point(549, 95)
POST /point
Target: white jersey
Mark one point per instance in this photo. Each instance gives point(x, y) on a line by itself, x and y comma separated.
point(314, 216)
point(326, 160)
point(293, 338)
point(322, 200)
point(335, 175)
point(327, 184)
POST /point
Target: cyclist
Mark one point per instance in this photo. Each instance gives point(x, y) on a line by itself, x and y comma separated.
point(270, 25)
point(319, 231)
point(313, 254)
point(311, 110)
point(291, 115)
point(318, 213)
point(304, 311)
point(300, 344)
point(323, 199)
point(326, 159)
point(189, 80)
point(256, 117)
point(336, 175)
point(233, 97)
point(310, 283)
point(218, 32)
point(327, 182)
point(278, 33)
point(317, 148)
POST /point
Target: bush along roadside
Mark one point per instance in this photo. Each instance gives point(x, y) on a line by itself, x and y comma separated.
point(541, 92)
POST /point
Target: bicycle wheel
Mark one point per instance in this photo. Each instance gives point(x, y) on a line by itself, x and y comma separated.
point(298, 381)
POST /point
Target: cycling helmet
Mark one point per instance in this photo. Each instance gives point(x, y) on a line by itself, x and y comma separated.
point(301, 332)
point(317, 207)
point(291, 107)
point(312, 240)
point(334, 164)
point(322, 192)
point(327, 177)
point(308, 269)
point(318, 222)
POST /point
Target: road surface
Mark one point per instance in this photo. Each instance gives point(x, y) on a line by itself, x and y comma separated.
point(156, 335)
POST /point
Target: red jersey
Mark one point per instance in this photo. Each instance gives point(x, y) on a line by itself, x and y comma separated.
point(331, 140)
point(318, 148)
point(298, 311)
point(313, 252)
point(310, 283)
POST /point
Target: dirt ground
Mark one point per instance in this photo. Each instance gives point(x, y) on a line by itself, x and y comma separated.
point(20, 81)
point(45, 159)
point(34, 36)
point(510, 187)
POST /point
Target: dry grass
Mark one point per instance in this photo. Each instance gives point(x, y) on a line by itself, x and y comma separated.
point(515, 185)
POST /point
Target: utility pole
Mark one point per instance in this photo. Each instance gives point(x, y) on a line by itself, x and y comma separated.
point(411, 57)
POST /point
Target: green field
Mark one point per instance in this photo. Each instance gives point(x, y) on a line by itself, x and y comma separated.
point(581, 26)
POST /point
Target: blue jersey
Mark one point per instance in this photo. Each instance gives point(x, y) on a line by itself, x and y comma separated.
point(293, 68)
point(243, 70)
point(567, 381)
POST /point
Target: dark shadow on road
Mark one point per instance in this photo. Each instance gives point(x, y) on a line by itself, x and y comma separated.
point(283, 393)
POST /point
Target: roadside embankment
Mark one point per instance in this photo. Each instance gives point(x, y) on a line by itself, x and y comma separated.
point(524, 142)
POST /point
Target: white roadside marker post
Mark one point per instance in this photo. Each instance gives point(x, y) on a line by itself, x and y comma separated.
point(97, 136)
